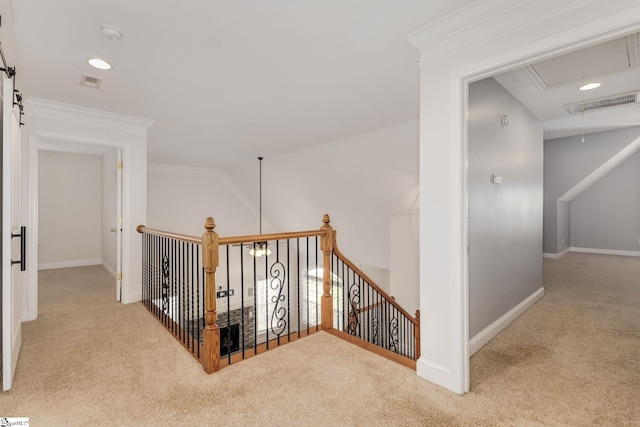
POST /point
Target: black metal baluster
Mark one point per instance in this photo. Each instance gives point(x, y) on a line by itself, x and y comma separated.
point(288, 294)
point(200, 307)
point(275, 313)
point(308, 282)
point(183, 302)
point(266, 284)
point(318, 300)
point(242, 338)
point(298, 279)
point(191, 311)
point(145, 285)
point(228, 338)
point(154, 266)
point(255, 303)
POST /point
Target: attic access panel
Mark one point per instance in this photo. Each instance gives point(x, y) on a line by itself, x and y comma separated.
point(614, 55)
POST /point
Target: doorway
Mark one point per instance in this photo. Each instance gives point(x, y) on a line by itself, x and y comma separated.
point(79, 209)
point(466, 52)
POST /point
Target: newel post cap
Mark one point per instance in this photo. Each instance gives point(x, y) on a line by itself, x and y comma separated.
point(209, 224)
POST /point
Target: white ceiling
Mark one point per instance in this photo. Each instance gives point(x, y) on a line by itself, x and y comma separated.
point(545, 87)
point(227, 80)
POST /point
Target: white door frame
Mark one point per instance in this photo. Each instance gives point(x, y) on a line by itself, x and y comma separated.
point(55, 142)
point(456, 51)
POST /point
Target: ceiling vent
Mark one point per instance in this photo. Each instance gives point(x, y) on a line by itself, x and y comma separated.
point(89, 81)
point(602, 103)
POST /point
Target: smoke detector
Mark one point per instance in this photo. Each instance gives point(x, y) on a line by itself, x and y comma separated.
point(112, 33)
point(602, 103)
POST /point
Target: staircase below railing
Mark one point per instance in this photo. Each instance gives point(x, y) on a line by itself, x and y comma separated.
point(228, 299)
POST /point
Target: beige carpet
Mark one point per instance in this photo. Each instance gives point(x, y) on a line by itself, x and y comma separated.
point(570, 360)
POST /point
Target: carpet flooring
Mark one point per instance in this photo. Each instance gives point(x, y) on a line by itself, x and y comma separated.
point(571, 360)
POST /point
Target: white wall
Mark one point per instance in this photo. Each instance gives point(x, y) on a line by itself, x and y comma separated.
point(480, 40)
point(607, 214)
point(70, 210)
point(505, 226)
point(609, 207)
point(404, 262)
point(109, 220)
point(181, 198)
point(359, 181)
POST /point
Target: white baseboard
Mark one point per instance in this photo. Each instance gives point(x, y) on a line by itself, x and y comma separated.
point(438, 374)
point(494, 329)
point(556, 256)
point(605, 251)
point(132, 298)
point(109, 270)
point(67, 264)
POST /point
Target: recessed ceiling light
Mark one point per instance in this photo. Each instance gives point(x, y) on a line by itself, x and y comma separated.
point(590, 86)
point(100, 64)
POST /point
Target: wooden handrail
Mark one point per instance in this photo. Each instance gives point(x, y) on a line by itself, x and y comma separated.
point(369, 307)
point(169, 234)
point(232, 239)
point(268, 237)
point(371, 283)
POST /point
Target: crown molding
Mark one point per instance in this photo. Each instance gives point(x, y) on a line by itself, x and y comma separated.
point(45, 109)
point(461, 20)
point(481, 21)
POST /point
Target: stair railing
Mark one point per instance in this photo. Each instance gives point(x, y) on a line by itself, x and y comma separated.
point(272, 289)
point(371, 317)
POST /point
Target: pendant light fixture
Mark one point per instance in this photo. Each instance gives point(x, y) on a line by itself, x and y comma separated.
point(260, 249)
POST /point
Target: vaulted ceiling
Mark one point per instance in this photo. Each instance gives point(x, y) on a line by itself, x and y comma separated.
point(547, 86)
point(225, 81)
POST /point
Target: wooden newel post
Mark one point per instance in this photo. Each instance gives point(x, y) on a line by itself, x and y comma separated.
point(210, 357)
point(416, 332)
point(326, 244)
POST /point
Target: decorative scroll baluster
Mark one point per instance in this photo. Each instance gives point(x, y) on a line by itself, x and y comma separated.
point(354, 313)
point(277, 273)
point(211, 335)
point(165, 284)
point(374, 325)
point(393, 334)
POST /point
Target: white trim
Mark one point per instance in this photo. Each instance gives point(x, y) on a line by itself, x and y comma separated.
point(486, 335)
point(445, 37)
point(436, 373)
point(135, 297)
point(67, 264)
point(556, 256)
point(601, 171)
point(55, 122)
point(108, 270)
point(605, 251)
point(74, 114)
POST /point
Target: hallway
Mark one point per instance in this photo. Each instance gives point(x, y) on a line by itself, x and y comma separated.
point(570, 360)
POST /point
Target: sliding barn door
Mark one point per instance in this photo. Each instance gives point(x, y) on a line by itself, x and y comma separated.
point(11, 249)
